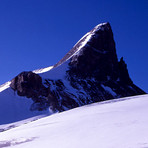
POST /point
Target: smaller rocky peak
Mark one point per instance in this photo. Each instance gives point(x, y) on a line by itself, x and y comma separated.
point(27, 84)
point(123, 73)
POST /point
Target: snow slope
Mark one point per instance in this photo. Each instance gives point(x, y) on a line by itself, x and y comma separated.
point(14, 108)
point(118, 123)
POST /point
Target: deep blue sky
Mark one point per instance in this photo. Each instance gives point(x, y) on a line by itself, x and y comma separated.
point(38, 33)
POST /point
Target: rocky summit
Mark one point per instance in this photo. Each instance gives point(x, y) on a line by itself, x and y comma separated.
point(89, 72)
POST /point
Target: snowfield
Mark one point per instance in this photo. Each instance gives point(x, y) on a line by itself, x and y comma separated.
point(15, 108)
point(118, 123)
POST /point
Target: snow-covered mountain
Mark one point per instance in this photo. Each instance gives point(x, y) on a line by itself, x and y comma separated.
point(118, 123)
point(90, 72)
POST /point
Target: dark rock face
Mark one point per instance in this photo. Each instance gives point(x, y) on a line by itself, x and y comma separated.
point(27, 84)
point(93, 74)
point(98, 57)
point(123, 72)
point(30, 85)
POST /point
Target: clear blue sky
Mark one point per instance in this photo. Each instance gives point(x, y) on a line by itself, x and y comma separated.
point(38, 33)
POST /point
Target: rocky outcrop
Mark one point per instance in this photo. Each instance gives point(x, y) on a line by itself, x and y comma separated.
point(28, 84)
point(93, 73)
point(123, 73)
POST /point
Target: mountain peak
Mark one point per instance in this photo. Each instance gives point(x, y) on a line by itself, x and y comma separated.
point(95, 54)
point(102, 26)
point(83, 41)
point(89, 72)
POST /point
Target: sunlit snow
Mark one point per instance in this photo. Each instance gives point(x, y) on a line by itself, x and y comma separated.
point(108, 89)
point(42, 70)
point(118, 123)
point(5, 86)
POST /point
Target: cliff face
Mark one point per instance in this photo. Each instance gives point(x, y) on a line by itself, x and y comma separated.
point(97, 58)
point(89, 72)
